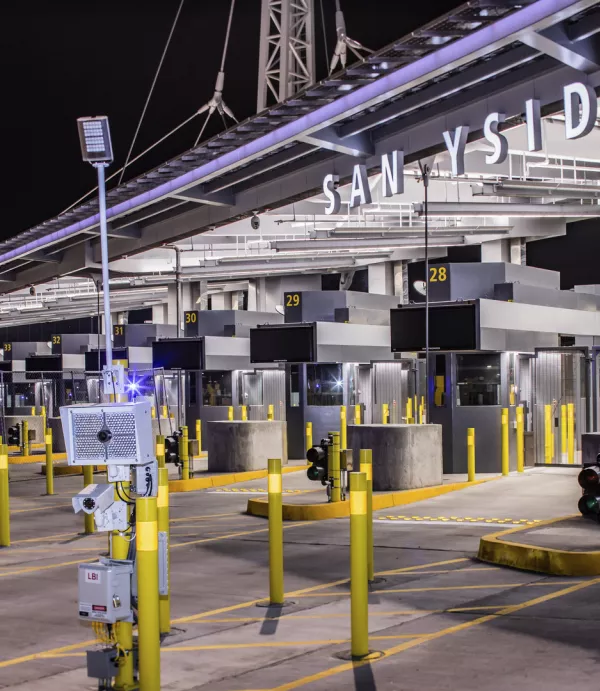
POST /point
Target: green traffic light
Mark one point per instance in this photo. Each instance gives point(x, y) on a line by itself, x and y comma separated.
point(313, 473)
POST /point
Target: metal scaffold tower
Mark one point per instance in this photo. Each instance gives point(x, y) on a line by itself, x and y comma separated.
point(287, 59)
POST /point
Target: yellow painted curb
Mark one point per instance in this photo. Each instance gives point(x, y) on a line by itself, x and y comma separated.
point(72, 469)
point(225, 479)
point(555, 562)
point(39, 458)
point(341, 509)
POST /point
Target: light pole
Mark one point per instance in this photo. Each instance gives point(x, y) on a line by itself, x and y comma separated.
point(425, 168)
point(96, 148)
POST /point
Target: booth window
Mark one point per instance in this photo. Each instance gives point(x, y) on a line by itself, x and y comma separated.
point(478, 377)
point(324, 385)
point(294, 374)
point(216, 388)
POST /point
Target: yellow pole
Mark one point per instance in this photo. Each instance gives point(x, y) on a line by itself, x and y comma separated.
point(184, 453)
point(33, 411)
point(548, 450)
point(409, 411)
point(385, 413)
point(25, 440)
point(357, 415)
point(164, 411)
point(505, 448)
point(120, 550)
point(271, 412)
point(49, 463)
point(471, 454)
point(359, 576)
point(366, 467)
point(336, 475)
point(343, 428)
point(88, 479)
point(162, 504)
point(571, 432)
point(199, 435)
point(43, 414)
point(160, 450)
point(563, 433)
point(153, 412)
point(244, 412)
point(230, 413)
point(4, 498)
point(520, 440)
point(422, 410)
point(275, 532)
point(147, 583)
point(309, 441)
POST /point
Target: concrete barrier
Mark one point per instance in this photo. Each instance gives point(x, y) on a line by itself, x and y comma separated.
point(236, 445)
point(590, 447)
point(35, 426)
point(404, 456)
point(58, 438)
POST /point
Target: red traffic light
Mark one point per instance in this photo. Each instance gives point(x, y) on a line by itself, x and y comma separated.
point(589, 478)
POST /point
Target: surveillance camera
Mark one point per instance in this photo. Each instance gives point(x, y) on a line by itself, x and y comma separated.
point(94, 498)
point(32, 290)
point(255, 222)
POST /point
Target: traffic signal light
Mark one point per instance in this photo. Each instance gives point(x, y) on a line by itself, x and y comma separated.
point(589, 481)
point(14, 435)
point(319, 457)
point(172, 448)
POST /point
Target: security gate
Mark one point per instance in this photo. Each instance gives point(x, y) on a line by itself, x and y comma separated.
point(562, 403)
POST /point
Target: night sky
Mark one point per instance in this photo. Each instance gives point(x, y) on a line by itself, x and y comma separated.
point(64, 59)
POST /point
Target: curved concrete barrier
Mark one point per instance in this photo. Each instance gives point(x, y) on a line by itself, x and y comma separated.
point(235, 446)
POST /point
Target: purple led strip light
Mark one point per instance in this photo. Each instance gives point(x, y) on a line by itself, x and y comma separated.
point(486, 36)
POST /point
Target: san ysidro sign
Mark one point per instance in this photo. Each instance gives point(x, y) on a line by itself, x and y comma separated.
point(580, 106)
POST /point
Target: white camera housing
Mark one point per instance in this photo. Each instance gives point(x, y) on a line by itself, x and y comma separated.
point(94, 498)
point(108, 434)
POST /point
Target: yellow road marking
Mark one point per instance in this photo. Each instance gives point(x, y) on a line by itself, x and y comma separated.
point(460, 519)
point(40, 508)
point(238, 534)
point(440, 634)
point(48, 653)
point(413, 568)
point(32, 569)
point(203, 517)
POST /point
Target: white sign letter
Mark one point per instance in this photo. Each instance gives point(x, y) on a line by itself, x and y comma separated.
point(329, 189)
point(534, 124)
point(456, 147)
point(579, 124)
point(392, 173)
point(360, 193)
point(497, 140)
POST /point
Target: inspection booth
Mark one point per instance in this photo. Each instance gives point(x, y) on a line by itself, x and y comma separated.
point(209, 371)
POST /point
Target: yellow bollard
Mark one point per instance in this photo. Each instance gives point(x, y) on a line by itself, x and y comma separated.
point(153, 412)
point(357, 415)
point(275, 532)
point(335, 469)
point(422, 410)
point(409, 411)
point(164, 412)
point(199, 435)
point(25, 439)
point(563, 433)
point(160, 450)
point(230, 413)
point(146, 526)
point(119, 549)
point(184, 453)
point(88, 479)
point(309, 441)
point(548, 436)
point(359, 576)
point(343, 428)
point(471, 454)
point(571, 433)
point(43, 414)
point(244, 413)
point(271, 412)
point(49, 463)
point(162, 505)
point(520, 440)
point(366, 467)
point(505, 442)
point(385, 413)
point(33, 411)
point(4, 498)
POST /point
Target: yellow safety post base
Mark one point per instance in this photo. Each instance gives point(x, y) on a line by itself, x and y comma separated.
point(49, 463)
point(88, 479)
point(335, 469)
point(520, 440)
point(571, 433)
point(4, 498)
point(343, 428)
point(471, 454)
point(366, 467)
point(505, 442)
point(162, 503)
point(309, 438)
point(146, 525)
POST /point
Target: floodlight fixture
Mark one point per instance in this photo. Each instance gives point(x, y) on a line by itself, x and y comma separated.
point(94, 137)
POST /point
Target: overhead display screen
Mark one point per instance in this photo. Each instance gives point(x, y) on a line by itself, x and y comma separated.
point(451, 327)
point(91, 358)
point(293, 343)
point(178, 353)
point(43, 363)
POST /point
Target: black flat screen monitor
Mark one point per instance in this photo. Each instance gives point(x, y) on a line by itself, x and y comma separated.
point(451, 327)
point(43, 363)
point(294, 343)
point(91, 358)
point(180, 353)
